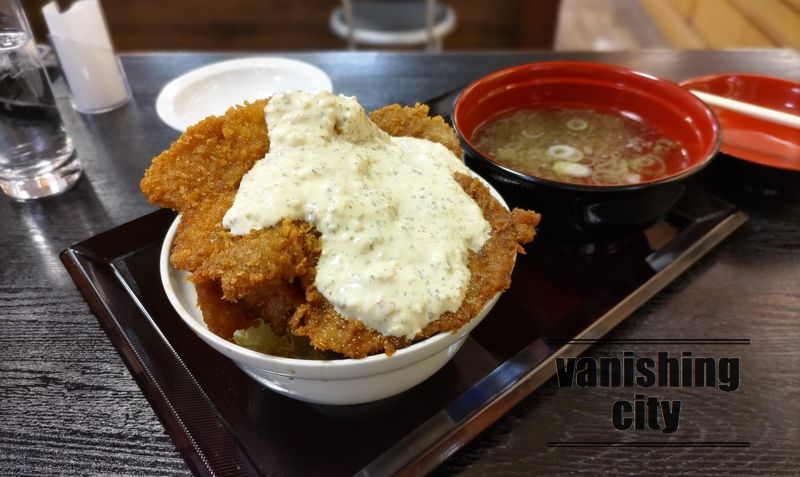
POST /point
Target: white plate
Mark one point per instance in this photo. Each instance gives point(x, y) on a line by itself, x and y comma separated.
point(212, 89)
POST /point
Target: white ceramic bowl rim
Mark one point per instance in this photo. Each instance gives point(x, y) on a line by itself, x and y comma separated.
point(331, 369)
point(212, 89)
point(342, 368)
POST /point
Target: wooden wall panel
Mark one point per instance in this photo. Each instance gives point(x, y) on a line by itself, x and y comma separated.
point(727, 23)
point(776, 19)
point(140, 25)
point(674, 24)
point(723, 26)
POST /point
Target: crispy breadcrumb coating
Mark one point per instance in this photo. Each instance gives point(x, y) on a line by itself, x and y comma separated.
point(269, 273)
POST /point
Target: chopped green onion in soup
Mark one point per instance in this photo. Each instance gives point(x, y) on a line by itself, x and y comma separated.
point(576, 124)
point(564, 153)
point(572, 169)
point(580, 146)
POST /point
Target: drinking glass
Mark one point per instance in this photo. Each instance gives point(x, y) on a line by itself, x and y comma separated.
point(37, 157)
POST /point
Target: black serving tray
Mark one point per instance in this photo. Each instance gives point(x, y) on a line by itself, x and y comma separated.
point(223, 422)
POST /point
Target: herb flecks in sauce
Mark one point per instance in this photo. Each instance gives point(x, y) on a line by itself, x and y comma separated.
point(396, 227)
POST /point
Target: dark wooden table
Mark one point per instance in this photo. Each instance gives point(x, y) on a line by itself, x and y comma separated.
point(68, 405)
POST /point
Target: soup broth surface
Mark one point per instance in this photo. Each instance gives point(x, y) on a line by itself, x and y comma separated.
point(579, 146)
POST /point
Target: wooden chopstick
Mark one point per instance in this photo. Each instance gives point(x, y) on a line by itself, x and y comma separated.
point(749, 109)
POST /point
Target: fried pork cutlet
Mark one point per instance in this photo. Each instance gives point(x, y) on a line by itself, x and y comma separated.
point(269, 273)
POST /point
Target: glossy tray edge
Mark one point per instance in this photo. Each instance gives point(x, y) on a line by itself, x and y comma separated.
point(515, 379)
point(92, 264)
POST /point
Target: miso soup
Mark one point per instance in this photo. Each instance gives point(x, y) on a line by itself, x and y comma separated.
point(579, 146)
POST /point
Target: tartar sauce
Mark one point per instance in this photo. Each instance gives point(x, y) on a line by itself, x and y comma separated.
point(395, 225)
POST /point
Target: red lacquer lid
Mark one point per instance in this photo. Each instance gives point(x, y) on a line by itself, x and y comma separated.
point(752, 139)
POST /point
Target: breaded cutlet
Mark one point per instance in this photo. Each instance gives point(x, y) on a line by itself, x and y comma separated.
point(269, 273)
